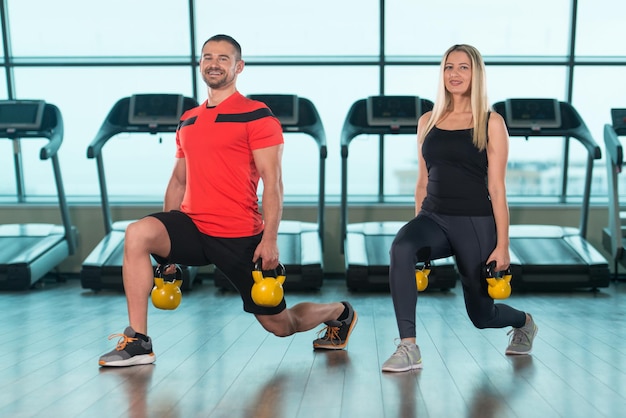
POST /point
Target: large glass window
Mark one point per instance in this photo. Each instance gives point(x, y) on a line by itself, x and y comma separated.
point(83, 58)
point(85, 95)
point(529, 28)
point(293, 29)
point(38, 176)
point(600, 28)
point(597, 90)
point(114, 28)
point(332, 89)
point(536, 164)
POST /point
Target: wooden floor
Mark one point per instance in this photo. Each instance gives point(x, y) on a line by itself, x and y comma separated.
point(214, 360)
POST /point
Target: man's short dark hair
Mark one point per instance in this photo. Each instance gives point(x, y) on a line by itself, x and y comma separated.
point(225, 38)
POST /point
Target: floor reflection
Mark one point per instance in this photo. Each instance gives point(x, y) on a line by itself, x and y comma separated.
point(335, 358)
point(407, 387)
point(489, 400)
point(268, 401)
point(135, 383)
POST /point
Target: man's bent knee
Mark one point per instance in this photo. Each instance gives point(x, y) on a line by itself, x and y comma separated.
point(147, 234)
point(280, 325)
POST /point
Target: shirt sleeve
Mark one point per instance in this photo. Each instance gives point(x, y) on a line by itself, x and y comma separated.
point(265, 132)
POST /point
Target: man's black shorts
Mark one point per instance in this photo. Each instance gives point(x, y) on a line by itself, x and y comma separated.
point(233, 256)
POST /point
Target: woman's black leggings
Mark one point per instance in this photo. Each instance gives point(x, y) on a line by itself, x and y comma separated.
point(430, 236)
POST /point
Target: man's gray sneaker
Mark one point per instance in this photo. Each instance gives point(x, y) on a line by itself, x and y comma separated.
point(407, 357)
point(522, 339)
point(337, 332)
point(131, 350)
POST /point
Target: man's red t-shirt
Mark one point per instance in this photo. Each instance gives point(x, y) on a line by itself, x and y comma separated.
point(222, 179)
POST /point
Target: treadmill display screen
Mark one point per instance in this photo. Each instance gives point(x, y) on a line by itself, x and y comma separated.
point(393, 110)
point(155, 109)
point(283, 106)
point(533, 113)
point(21, 114)
point(618, 117)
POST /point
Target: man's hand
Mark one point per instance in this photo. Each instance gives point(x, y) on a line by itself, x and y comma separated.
point(267, 251)
point(170, 269)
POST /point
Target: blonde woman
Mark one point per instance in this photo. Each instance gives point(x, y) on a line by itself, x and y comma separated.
point(460, 205)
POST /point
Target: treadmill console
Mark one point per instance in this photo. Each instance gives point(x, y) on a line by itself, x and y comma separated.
point(534, 114)
point(283, 106)
point(393, 110)
point(21, 115)
point(155, 109)
point(618, 118)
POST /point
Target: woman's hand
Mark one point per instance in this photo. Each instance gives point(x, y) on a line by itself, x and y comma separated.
point(502, 258)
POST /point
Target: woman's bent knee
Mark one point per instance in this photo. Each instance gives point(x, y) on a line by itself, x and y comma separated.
point(482, 322)
point(402, 249)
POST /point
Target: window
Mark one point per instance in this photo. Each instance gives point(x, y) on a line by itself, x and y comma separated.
point(600, 31)
point(332, 90)
point(530, 28)
point(597, 89)
point(116, 28)
point(84, 96)
point(83, 59)
point(294, 30)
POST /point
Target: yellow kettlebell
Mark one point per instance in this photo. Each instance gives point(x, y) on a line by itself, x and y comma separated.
point(267, 291)
point(166, 293)
point(499, 283)
point(421, 276)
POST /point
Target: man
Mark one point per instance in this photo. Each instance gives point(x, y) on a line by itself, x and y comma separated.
point(211, 214)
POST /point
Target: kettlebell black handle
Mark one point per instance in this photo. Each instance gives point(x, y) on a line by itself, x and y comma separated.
point(489, 271)
point(426, 265)
point(279, 270)
point(159, 272)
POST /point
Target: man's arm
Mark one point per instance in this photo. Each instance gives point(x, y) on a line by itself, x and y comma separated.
point(176, 187)
point(268, 162)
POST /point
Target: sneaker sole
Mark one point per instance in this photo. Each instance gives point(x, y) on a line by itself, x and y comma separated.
point(133, 361)
point(404, 369)
point(331, 346)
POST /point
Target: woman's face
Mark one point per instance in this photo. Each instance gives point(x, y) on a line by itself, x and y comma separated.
point(457, 73)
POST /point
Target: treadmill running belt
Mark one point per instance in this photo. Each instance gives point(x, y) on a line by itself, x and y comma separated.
point(546, 252)
point(290, 249)
point(377, 248)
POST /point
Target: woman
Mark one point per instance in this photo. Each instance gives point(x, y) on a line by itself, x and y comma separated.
point(461, 207)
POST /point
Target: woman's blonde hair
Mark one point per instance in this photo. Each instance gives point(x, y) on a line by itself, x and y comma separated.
point(478, 91)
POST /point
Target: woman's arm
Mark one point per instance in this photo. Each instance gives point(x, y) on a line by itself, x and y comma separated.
point(497, 155)
point(422, 172)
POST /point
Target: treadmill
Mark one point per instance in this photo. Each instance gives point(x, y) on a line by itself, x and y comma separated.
point(140, 113)
point(300, 244)
point(366, 245)
point(613, 235)
point(30, 251)
point(550, 257)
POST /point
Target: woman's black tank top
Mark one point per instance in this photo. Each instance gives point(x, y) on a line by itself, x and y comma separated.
point(457, 174)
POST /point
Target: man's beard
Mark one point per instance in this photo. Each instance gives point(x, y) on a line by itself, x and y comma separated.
point(214, 84)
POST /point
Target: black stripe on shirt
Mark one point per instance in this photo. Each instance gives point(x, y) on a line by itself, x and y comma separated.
point(186, 122)
point(264, 112)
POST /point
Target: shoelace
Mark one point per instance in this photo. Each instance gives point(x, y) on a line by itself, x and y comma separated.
point(519, 336)
point(123, 341)
point(332, 334)
point(402, 350)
